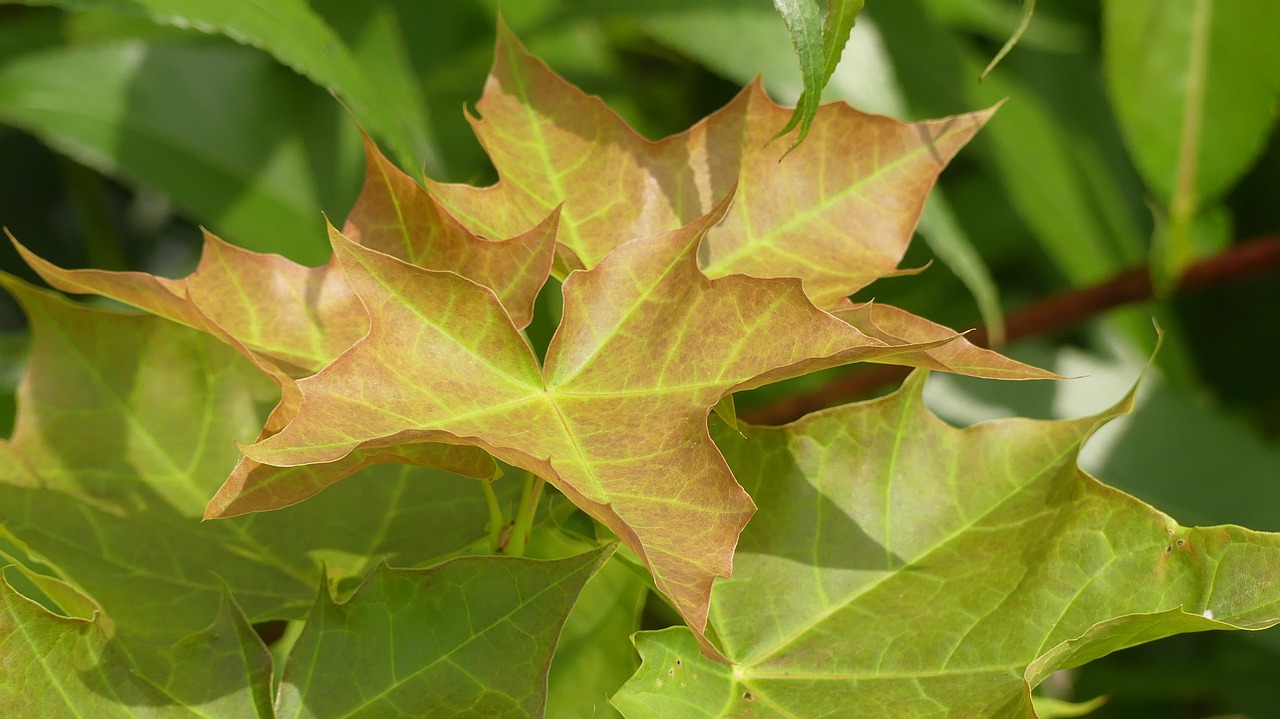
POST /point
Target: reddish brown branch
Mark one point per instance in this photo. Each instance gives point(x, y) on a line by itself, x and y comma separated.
point(1052, 314)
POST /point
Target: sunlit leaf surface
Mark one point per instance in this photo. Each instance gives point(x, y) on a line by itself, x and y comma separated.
point(470, 637)
point(899, 567)
point(700, 259)
point(837, 212)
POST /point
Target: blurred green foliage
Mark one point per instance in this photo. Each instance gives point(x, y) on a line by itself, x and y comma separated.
point(1131, 131)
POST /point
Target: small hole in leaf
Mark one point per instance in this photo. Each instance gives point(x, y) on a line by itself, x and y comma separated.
point(678, 662)
point(748, 697)
point(1182, 542)
point(1168, 548)
point(671, 672)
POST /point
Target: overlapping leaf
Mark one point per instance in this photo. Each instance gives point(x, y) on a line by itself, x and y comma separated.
point(594, 656)
point(470, 637)
point(837, 212)
point(616, 420)
point(54, 666)
point(299, 318)
point(291, 320)
point(127, 424)
point(395, 216)
point(899, 567)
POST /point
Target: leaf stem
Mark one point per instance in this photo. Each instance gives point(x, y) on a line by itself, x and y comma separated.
point(496, 518)
point(530, 497)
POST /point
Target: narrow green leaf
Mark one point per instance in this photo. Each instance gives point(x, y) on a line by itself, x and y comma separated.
point(52, 666)
point(943, 234)
point(473, 636)
point(991, 19)
point(298, 37)
point(1195, 85)
point(1061, 161)
point(378, 36)
point(13, 357)
point(1028, 9)
point(819, 36)
point(898, 566)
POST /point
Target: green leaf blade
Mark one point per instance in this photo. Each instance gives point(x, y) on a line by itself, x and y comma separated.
point(57, 666)
point(1195, 85)
point(893, 565)
point(461, 615)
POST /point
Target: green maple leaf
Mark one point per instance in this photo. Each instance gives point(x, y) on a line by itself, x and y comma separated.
point(900, 567)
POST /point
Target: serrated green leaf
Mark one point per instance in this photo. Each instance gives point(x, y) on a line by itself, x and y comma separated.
point(52, 666)
point(471, 637)
point(899, 567)
point(819, 36)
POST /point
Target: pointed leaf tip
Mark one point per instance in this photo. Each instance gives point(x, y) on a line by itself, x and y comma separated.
point(396, 216)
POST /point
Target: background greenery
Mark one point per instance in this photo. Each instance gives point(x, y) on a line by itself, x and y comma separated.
point(123, 135)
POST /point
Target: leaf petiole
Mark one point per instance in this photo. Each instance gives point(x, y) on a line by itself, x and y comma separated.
point(530, 496)
point(496, 519)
